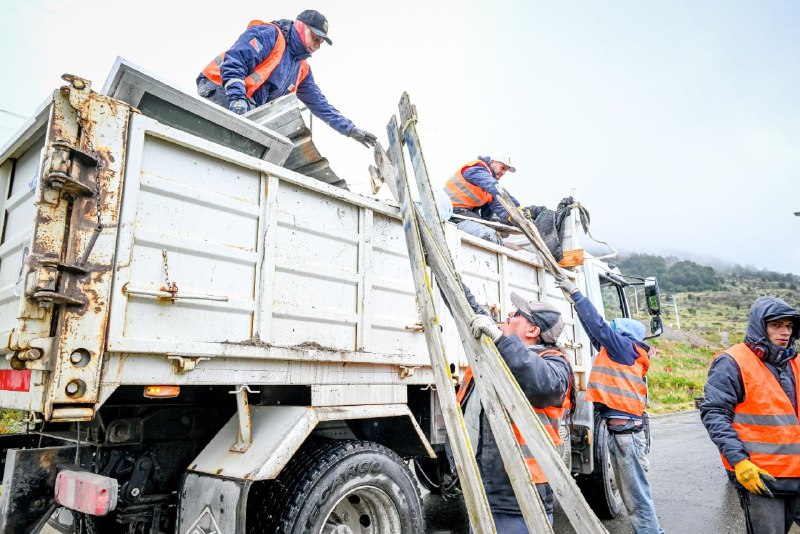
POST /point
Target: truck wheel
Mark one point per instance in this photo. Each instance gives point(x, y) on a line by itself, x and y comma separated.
point(600, 488)
point(344, 487)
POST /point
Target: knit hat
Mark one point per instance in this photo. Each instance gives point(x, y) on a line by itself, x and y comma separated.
point(629, 328)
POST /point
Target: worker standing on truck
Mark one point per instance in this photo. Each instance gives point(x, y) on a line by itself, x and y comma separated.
point(527, 343)
point(472, 190)
point(618, 387)
point(750, 412)
point(268, 61)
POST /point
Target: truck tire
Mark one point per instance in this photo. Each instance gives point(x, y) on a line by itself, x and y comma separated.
point(565, 449)
point(600, 487)
point(341, 487)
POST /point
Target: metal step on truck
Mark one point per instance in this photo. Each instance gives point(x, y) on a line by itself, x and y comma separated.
point(208, 335)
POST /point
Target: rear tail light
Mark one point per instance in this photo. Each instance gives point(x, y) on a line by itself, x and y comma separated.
point(86, 492)
point(162, 392)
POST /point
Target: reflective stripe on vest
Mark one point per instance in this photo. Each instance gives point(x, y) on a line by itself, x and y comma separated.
point(620, 387)
point(464, 194)
point(264, 69)
point(766, 421)
point(550, 418)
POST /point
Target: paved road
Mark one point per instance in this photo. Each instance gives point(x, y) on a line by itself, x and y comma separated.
point(691, 490)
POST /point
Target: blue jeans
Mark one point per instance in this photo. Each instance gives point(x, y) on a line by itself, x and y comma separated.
point(630, 465)
point(480, 230)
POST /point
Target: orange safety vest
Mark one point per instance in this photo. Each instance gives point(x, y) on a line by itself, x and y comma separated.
point(464, 194)
point(620, 387)
point(263, 70)
point(766, 421)
point(550, 417)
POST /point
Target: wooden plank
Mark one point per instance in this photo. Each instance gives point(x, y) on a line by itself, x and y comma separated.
point(486, 360)
point(492, 224)
point(493, 378)
point(531, 232)
point(477, 504)
point(530, 502)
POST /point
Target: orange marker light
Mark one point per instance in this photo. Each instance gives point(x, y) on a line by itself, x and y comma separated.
point(161, 392)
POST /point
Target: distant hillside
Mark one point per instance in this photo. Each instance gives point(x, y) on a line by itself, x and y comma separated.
point(675, 275)
point(710, 302)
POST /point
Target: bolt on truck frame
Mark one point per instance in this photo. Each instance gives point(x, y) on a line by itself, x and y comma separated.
point(207, 337)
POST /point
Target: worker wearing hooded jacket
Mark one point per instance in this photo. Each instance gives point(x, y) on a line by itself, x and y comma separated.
point(473, 190)
point(268, 61)
point(618, 388)
point(526, 341)
point(750, 412)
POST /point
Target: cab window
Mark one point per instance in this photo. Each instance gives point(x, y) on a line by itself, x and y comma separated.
point(613, 306)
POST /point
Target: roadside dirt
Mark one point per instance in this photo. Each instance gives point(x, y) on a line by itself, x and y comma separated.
point(686, 336)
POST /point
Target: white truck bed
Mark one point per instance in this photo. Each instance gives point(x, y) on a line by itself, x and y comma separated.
point(281, 278)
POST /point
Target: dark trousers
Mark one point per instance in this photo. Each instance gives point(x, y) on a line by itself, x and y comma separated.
point(515, 523)
point(763, 515)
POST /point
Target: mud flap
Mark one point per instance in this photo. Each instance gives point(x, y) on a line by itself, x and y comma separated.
point(28, 482)
point(212, 505)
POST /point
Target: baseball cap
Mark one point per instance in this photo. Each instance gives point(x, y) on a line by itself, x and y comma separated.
point(504, 159)
point(316, 22)
point(544, 315)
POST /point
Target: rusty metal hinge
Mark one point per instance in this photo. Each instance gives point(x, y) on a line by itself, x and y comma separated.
point(43, 281)
point(68, 165)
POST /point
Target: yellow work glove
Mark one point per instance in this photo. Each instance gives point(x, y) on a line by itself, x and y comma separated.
point(752, 478)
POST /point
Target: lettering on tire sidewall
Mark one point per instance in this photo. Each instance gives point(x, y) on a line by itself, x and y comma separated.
point(356, 470)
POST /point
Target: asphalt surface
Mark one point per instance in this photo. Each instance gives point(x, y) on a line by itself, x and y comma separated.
point(690, 488)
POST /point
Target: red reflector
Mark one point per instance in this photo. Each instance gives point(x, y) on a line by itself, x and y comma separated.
point(11, 380)
point(86, 492)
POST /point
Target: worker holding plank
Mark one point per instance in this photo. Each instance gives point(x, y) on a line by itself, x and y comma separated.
point(527, 343)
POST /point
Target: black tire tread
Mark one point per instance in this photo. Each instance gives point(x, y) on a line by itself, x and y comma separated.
point(316, 456)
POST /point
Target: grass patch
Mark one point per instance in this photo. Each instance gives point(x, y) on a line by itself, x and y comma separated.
point(677, 374)
point(12, 421)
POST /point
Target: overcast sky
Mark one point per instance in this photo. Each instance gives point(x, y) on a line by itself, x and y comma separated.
point(677, 122)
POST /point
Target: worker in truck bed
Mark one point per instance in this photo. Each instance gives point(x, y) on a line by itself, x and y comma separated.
point(472, 190)
point(268, 61)
point(618, 387)
point(750, 412)
point(527, 343)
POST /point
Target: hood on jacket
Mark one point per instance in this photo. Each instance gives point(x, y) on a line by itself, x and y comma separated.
point(630, 328)
point(294, 44)
point(488, 161)
point(765, 309)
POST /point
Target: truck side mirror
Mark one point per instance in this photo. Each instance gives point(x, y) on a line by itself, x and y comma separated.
point(656, 326)
point(652, 296)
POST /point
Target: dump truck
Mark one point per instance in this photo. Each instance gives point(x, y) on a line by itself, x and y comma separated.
point(208, 333)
